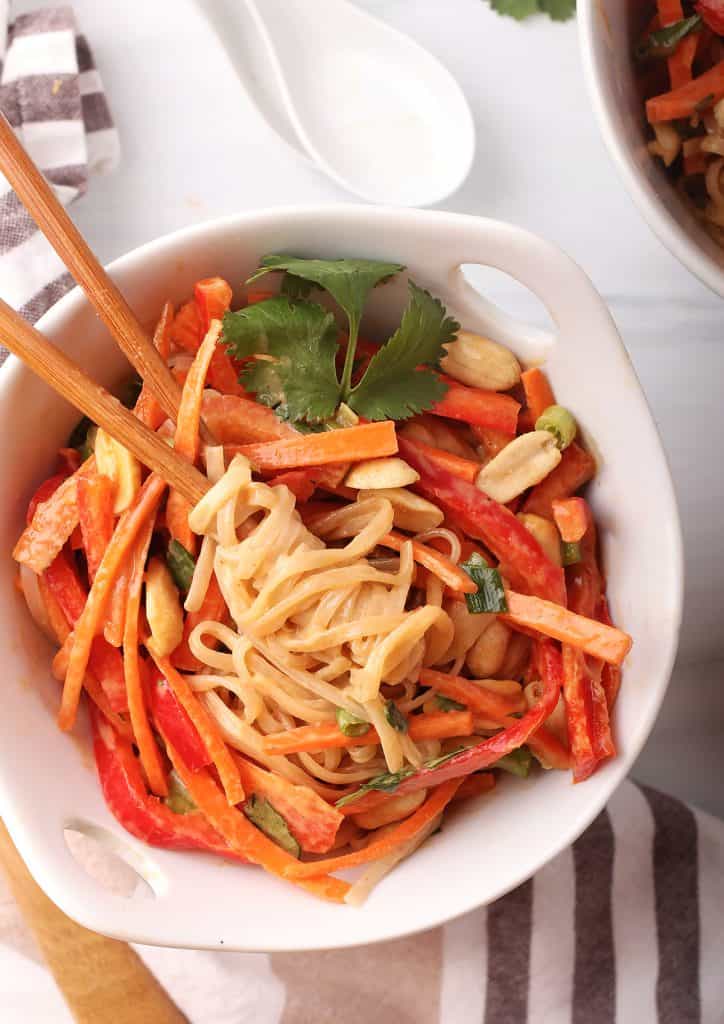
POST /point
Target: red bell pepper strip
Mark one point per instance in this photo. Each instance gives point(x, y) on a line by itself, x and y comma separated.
point(187, 327)
point(95, 511)
point(485, 754)
point(493, 524)
point(237, 420)
point(46, 489)
point(53, 521)
point(299, 482)
point(575, 469)
point(105, 662)
point(575, 695)
point(712, 13)
point(475, 406)
point(141, 814)
point(173, 722)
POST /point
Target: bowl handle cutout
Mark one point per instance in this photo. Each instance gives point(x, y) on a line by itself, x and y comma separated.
point(574, 307)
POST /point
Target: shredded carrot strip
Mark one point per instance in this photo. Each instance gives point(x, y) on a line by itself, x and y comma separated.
point(207, 729)
point(467, 691)
point(241, 835)
point(538, 392)
point(328, 735)
point(90, 622)
point(452, 576)
point(116, 618)
point(595, 638)
point(466, 469)
point(681, 102)
point(147, 408)
point(147, 749)
point(186, 439)
point(213, 608)
point(406, 830)
point(352, 444)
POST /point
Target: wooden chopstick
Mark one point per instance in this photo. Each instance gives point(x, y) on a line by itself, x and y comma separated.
point(67, 378)
point(41, 203)
point(101, 979)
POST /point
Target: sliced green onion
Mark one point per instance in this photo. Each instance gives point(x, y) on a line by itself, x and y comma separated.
point(558, 421)
point(448, 704)
point(491, 593)
point(517, 762)
point(181, 565)
point(395, 717)
point(570, 552)
point(179, 799)
point(350, 724)
point(266, 818)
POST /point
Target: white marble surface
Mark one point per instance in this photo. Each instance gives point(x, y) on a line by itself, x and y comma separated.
point(194, 148)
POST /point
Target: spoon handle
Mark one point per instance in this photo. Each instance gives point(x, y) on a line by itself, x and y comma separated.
point(101, 979)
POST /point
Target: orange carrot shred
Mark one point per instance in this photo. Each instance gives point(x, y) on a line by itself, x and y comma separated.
point(538, 392)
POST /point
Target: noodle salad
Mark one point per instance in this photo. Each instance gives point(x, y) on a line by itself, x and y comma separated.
point(682, 55)
point(389, 595)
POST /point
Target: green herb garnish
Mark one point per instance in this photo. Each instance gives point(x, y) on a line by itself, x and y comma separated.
point(448, 704)
point(491, 593)
point(704, 103)
point(350, 724)
point(664, 41)
point(83, 438)
point(389, 781)
point(395, 717)
point(557, 10)
point(179, 799)
point(181, 565)
point(292, 343)
point(435, 762)
point(517, 762)
point(385, 783)
point(266, 818)
point(570, 552)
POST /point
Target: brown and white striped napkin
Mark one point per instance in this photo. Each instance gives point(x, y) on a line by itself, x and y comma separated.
point(52, 94)
point(624, 927)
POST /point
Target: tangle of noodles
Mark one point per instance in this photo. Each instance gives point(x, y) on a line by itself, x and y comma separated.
point(315, 627)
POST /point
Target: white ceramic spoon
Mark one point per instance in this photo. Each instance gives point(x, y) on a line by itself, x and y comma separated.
point(372, 108)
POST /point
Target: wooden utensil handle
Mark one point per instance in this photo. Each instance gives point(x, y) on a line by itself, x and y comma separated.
point(101, 979)
point(67, 378)
point(38, 197)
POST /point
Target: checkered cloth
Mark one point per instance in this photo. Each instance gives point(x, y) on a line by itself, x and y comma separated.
point(52, 94)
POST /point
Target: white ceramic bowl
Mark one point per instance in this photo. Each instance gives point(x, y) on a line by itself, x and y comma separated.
point(47, 780)
point(608, 33)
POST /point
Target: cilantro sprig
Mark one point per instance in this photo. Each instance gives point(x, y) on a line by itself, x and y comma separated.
point(557, 10)
point(290, 344)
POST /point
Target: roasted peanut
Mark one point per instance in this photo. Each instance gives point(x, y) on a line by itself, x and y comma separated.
point(520, 465)
point(545, 532)
point(487, 653)
point(411, 512)
point(481, 363)
point(124, 469)
point(163, 608)
point(468, 628)
point(379, 474)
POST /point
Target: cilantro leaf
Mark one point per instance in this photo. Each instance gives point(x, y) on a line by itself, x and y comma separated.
point(558, 10)
point(518, 9)
point(393, 387)
point(349, 282)
point(300, 340)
